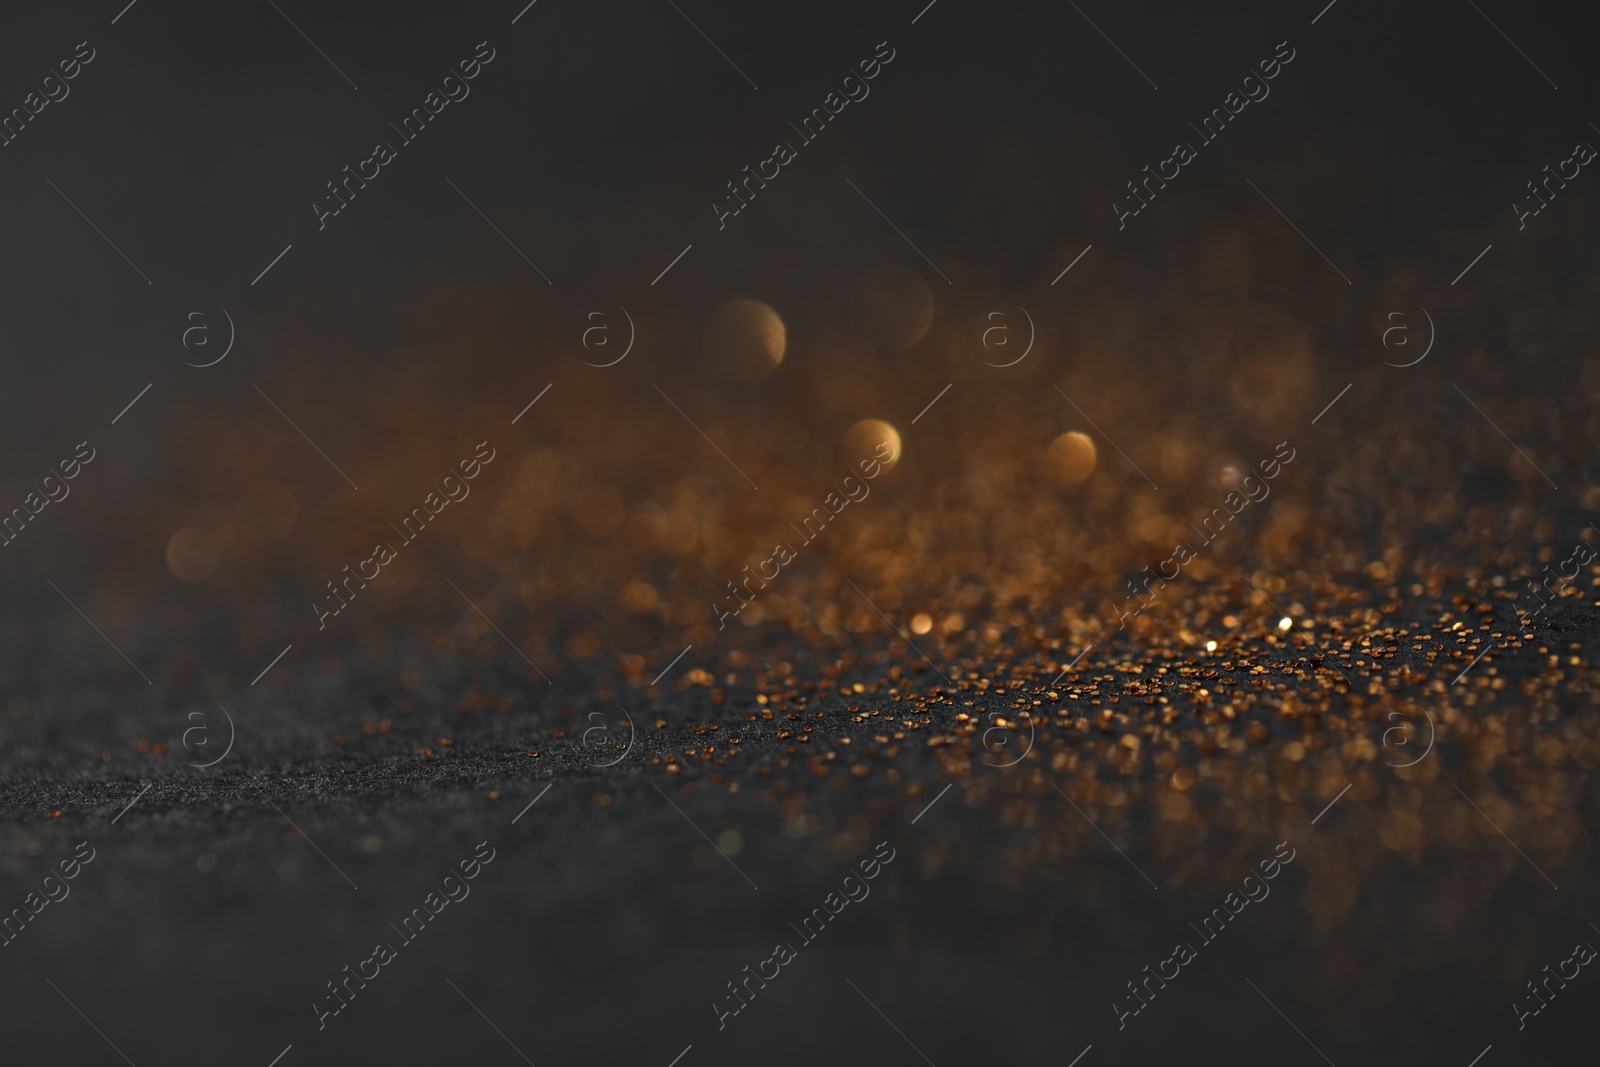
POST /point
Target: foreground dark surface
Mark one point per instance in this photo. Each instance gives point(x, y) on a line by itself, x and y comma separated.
point(606, 928)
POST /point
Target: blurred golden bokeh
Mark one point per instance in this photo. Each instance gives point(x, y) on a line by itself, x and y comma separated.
point(892, 308)
point(1072, 457)
point(193, 554)
point(872, 439)
point(745, 339)
point(646, 527)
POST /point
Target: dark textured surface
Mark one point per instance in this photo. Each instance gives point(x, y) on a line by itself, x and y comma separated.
point(594, 937)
